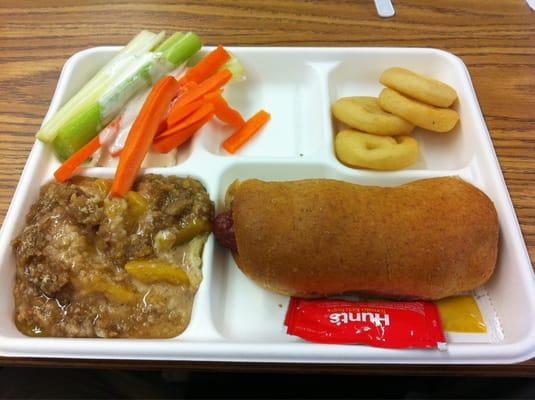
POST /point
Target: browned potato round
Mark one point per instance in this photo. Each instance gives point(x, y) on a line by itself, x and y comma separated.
point(423, 115)
point(359, 149)
point(365, 114)
point(419, 87)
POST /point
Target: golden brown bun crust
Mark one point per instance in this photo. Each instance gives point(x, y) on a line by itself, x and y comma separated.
point(427, 239)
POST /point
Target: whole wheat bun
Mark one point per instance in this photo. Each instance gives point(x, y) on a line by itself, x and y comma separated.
point(427, 239)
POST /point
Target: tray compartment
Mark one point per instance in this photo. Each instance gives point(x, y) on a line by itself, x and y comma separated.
point(200, 326)
point(287, 87)
point(358, 74)
point(241, 309)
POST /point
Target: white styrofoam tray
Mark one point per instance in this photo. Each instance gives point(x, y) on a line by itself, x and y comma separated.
point(233, 319)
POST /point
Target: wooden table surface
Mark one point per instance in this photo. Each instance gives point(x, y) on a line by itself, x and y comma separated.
point(495, 39)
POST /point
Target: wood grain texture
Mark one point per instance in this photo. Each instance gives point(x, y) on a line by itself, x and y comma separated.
point(495, 38)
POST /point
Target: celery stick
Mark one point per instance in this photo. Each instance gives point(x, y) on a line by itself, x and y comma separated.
point(139, 73)
point(83, 124)
point(171, 40)
point(142, 43)
point(146, 71)
point(157, 41)
point(184, 48)
point(234, 66)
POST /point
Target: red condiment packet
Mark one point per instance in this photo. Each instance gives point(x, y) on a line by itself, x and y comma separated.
point(390, 324)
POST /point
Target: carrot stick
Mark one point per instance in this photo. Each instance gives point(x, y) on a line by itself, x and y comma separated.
point(142, 134)
point(253, 124)
point(203, 111)
point(177, 114)
point(223, 111)
point(66, 170)
point(208, 65)
point(162, 127)
point(166, 144)
point(214, 82)
point(184, 87)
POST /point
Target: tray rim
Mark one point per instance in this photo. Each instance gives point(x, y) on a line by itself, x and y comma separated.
point(519, 351)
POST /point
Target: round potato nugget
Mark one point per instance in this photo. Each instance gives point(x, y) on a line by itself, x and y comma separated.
point(385, 153)
point(365, 114)
point(420, 114)
point(419, 87)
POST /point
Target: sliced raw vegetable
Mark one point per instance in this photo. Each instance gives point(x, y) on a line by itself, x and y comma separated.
point(77, 131)
point(142, 43)
point(66, 170)
point(178, 114)
point(142, 134)
point(131, 76)
point(234, 65)
point(185, 87)
point(214, 82)
point(113, 137)
point(242, 135)
point(169, 42)
point(166, 144)
point(223, 111)
point(201, 113)
point(208, 66)
point(183, 48)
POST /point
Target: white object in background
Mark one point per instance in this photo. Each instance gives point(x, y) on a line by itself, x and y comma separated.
point(531, 4)
point(385, 8)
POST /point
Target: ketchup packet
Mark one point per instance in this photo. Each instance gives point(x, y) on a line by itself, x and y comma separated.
point(392, 324)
